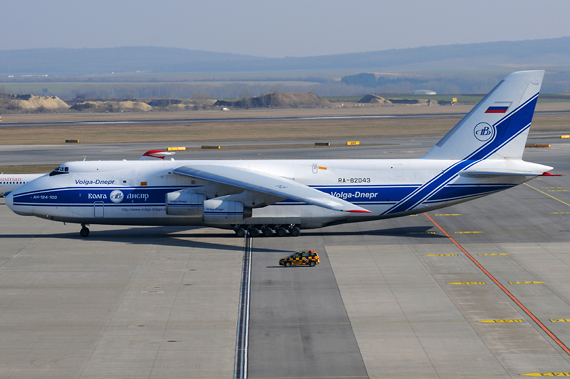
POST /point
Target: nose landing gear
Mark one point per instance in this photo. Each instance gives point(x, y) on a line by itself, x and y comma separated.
point(84, 232)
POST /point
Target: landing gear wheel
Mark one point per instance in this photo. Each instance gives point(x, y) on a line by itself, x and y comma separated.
point(287, 264)
point(267, 232)
point(254, 232)
point(281, 232)
point(240, 232)
point(84, 232)
point(295, 231)
point(312, 264)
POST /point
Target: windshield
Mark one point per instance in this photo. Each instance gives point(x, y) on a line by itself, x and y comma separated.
point(60, 170)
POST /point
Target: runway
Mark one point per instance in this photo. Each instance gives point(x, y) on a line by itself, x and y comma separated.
point(391, 299)
point(244, 119)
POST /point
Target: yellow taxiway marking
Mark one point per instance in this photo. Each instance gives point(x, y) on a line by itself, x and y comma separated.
point(560, 320)
point(441, 255)
point(528, 282)
point(563, 202)
point(551, 187)
point(467, 283)
point(501, 321)
point(557, 190)
point(448, 214)
point(421, 233)
point(468, 232)
point(493, 254)
point(560, 213)
point(547, 374)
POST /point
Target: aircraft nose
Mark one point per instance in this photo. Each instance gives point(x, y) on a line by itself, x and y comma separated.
point(10, 201)
point(15, 208)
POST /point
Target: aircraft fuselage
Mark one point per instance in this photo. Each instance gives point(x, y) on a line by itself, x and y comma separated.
point(134, 192)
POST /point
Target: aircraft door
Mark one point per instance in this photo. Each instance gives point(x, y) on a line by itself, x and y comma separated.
point(99, 209)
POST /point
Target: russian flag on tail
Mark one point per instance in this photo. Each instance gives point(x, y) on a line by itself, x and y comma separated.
point(497, 109)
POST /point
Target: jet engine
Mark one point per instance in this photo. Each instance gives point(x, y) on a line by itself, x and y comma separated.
point(181, 203)
point(225, 212)
point(213, 211)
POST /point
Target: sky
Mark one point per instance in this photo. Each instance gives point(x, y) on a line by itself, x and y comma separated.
point(272, 28)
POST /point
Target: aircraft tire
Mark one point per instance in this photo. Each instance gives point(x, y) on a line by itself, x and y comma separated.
point(281, 232)
point(84, 232)
point(254, 232)
point(295, 232)
point(240, 232)
point(268, 232)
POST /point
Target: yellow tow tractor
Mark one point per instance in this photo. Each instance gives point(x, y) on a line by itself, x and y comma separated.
point(301, 258)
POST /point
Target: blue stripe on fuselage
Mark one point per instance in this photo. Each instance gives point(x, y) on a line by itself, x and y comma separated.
point(365, 195)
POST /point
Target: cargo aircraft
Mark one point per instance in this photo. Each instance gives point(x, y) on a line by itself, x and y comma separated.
point(481, 155)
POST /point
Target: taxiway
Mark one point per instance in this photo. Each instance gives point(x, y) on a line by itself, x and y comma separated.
point(143, 302)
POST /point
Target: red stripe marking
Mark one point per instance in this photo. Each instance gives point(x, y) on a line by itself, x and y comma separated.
point(513, 298)
point(496, 111)
point(359, 211)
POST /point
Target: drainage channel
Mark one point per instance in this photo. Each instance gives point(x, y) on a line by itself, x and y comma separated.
point(242, 338)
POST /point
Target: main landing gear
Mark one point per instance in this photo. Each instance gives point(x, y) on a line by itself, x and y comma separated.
point(267, 230)
point(84, 232)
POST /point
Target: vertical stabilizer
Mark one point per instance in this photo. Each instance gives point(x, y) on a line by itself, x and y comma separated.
point(498, 126)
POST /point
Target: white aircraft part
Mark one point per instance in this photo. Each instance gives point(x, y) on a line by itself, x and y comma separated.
point(182, 203)
point(268, 183)
point(224, 212)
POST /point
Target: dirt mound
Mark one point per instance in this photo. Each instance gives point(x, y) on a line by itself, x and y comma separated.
point(173, 105)
point(163, 103)
point(279, 100)
point(374, 99)
point(112, 106)
point(34, 103)
point(413, 101)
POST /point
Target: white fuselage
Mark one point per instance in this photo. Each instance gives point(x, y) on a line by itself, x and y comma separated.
point(9, 182)
point(133, 192)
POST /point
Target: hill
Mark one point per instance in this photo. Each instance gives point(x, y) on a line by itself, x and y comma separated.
point(543, 53)
point(279, 100)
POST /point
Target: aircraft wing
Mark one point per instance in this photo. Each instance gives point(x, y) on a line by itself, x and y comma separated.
point(267, 183)
point(498, 173)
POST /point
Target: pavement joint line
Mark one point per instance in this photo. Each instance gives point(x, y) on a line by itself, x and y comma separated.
point(242, 332)
point(534, 188)
point(507, 292)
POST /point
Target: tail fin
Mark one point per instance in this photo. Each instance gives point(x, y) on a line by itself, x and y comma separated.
point(498, 126)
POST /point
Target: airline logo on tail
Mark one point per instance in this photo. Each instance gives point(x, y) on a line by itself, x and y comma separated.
point(484, 131)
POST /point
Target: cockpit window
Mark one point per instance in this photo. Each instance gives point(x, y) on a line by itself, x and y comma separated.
point(60, 170)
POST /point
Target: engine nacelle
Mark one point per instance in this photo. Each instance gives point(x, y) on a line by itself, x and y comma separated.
point(225, 212)
point(182, 203)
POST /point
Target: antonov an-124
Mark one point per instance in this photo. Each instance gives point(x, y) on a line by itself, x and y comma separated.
point(481, 155)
